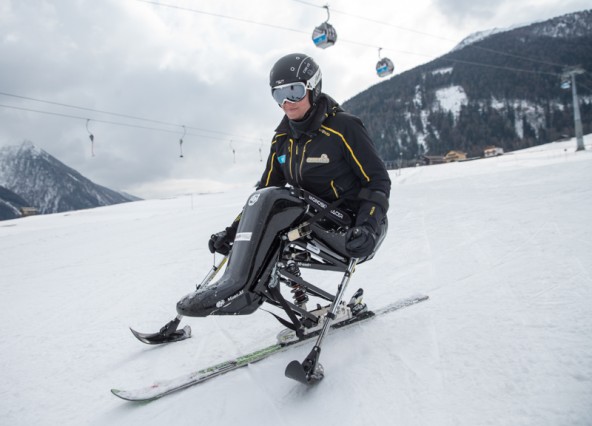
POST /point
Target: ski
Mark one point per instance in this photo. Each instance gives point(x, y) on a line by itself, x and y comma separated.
point(166, 387)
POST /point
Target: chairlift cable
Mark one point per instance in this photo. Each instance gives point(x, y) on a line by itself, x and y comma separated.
point(116, 123)
point(116, 114)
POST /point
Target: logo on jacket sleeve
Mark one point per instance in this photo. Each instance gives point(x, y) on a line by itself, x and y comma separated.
point(282, 159)
point(253, 199)
point(323, 159)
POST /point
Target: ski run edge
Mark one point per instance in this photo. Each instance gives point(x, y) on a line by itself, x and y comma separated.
point(166, 387)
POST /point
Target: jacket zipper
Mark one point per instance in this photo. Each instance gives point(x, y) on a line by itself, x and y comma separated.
point(303, 155)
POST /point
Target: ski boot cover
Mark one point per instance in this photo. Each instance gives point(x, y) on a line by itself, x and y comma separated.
point(268, 212)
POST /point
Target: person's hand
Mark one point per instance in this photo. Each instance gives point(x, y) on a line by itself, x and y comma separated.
point(221, 242)
point(360, 241)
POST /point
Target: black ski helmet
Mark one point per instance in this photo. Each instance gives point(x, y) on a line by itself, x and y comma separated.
point(297, 67)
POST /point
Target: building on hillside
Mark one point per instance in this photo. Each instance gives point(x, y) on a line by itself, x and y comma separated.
point(492, 151)
point(29, 211)
point(429, 160)
point(455, 156)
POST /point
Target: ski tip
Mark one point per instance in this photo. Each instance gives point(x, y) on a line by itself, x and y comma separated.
point(120, 394)
point(133, 396)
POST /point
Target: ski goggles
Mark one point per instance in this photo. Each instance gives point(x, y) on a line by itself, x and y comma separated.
point(291, 92)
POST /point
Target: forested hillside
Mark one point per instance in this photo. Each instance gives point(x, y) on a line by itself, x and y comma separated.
point(503, 90)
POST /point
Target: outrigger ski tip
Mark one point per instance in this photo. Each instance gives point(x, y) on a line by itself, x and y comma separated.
point(309, 372)
point(296, 371)
point(159, 338)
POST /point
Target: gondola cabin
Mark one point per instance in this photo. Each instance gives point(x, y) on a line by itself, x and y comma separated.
point(385, 67)
point(324, 35)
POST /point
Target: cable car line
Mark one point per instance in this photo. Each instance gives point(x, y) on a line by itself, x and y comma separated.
point(376, 21)
point(472, 46)
point(185, 9)
point(381, 70)
point(116, 123)
point(219, 15)
point(501, 67)
point(119, 115)
point(264, 24)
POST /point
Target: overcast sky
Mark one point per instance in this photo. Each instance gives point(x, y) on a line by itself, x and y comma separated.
point(203, 65)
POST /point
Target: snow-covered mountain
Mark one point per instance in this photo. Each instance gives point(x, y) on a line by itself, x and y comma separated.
point(499, 87)
point(478, 36)
point(49, 185)
point(572, 25)
point(502, 246)
point(10, 204)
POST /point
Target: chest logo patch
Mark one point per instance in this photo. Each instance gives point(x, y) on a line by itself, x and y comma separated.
point(281, 159)
point(323, 159)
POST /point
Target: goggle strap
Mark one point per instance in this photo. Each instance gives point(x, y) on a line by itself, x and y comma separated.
point(314, 80)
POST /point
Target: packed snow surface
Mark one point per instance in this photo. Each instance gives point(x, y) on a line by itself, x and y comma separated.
point(502, 246)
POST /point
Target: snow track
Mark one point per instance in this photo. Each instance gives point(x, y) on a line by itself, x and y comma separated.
point(502, 246)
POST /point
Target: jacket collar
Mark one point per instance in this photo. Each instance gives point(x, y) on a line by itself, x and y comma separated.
point(324, 108)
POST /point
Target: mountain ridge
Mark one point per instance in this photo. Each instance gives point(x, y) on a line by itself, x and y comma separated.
point(49, 185)
point(510, 94)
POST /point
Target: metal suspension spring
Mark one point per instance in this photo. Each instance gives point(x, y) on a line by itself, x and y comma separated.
point(298, 292)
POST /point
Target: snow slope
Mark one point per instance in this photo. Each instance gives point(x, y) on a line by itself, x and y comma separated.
point(503, 246)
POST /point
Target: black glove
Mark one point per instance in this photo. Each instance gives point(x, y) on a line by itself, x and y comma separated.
point(222, 241)
point(360, 241)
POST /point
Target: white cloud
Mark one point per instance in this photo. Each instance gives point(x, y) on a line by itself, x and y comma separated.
point(199, 70)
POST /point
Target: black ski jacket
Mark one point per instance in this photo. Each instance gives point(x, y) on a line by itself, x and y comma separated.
point(329, 154)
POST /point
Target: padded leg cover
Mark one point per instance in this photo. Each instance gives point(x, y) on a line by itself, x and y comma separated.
point(268, 212)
